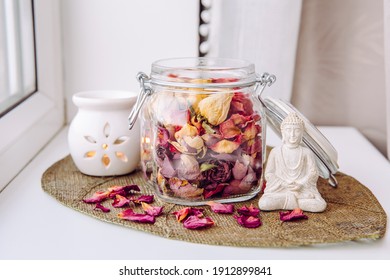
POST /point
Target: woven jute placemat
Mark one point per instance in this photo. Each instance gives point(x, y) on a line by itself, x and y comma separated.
point(353, 213)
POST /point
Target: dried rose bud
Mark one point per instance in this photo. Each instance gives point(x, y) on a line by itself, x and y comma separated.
point(219, 173)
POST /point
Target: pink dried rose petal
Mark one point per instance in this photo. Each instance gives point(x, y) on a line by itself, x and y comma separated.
point(239, 170)
point(293, 215)
point(122, 190)
point(98, 196)
point(120, 201)
point(102, 208)
point(228, 129)
point(240, 120)
point(248, 221)
point(130, 215)
point(248, 211)
point(152, 210)
point(221, 208)
point(142, 198)
point(194, 222)
point(183, 213)
point(235, 187)
point(251, 131)
point(182, 188)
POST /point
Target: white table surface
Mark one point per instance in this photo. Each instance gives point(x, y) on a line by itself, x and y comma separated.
point(33, 225)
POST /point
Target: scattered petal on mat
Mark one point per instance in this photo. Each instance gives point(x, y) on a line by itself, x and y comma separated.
point(120, 201)
point(102, 208)
point(221, 208)
point(130, 215)
point(142, 198)
point(194, 222)
point(152, 210)
point(293, 215)
point(248, 211)
point(183, 213)
point(248, 221)
point(97, 197)
point(122, 190)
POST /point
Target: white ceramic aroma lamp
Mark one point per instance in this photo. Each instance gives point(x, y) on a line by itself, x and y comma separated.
point(99, 140)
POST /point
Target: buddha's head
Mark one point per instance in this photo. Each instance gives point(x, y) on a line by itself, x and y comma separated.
point(292, 129)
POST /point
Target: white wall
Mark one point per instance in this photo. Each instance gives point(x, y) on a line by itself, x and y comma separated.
point(107, 42)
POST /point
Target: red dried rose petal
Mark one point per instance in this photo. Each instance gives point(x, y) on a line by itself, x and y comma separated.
point(248, 211)
point(152, 210)
point(207, 193)
point(120, 201)
point(293, 215)
point(248, 221)
point(102, 208)
point(130, 215)
point(221, 208)
point(97, 197)
point(142, 198)
point(194, 222)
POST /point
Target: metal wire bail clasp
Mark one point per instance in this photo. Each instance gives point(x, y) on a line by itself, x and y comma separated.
point(145, 92)
point(264, 80)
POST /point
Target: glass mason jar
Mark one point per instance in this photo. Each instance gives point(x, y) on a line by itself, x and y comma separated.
point(203, 129)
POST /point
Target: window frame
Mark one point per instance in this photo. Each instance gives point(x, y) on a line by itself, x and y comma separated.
point(29, 126)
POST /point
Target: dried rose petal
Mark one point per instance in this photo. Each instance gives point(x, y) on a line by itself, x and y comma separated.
point(194, 222)
point(187, 211)
point(122, 190)
point(248, 211)
point(182, 188)
point(120, 201)
point(293, 215)
point(181, 214)
point(98, 196)
point(152, 210)
point(142, 198)
point(239, 170)
point(225, 147)
point(228, 129)
point(209, 192)
point(248, 221)
point(102, 208)
point(221, 208)
point(130, 215)
point(251, 131)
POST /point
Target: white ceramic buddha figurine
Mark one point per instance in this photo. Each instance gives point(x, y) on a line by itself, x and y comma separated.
point(291, 173)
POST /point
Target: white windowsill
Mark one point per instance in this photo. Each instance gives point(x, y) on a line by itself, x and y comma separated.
point(33, 225)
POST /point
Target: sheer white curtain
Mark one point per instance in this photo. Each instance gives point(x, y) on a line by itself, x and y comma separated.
point(328, 56)
point(262, 31)
point(387, 66)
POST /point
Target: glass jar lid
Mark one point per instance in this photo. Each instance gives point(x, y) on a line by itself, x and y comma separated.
point(325, 153)
point(201, 72)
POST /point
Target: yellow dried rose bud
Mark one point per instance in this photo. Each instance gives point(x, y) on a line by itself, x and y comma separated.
point(215, 108)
